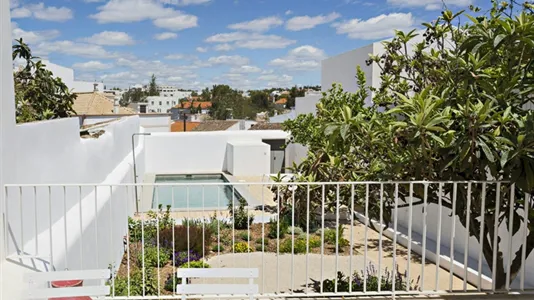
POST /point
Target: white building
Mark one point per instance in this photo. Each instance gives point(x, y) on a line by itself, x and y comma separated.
point(67, 76)
point(170, 91)
point(161, 104)
point(342, 68)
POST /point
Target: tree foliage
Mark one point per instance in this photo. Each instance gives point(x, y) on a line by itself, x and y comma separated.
point(450, 107)
point(133, 95)
point(153, 86)
point(38, 94)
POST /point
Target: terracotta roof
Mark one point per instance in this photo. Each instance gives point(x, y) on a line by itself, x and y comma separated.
point(215, 125)
point(178, 126)
point(203, 104)
point(96, 104)
point(266, 126)
point(281, 101)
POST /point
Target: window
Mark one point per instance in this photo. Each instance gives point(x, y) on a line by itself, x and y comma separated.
point(152, 102)
point(160, 103)
point(165, 95)
point(172, 95)
point(173, 102)
point(167, 102)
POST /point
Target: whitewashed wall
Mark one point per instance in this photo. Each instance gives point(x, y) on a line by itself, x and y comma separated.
point(197, 152)
point(150, 122)
point(67, 76)
point(460, 233)
point(240, 155)
point(52, 152)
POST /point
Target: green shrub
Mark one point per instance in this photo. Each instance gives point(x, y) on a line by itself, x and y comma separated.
point(273, 228)
point(259, 247)
point(315, 242)
point(151, 257)
point(180, 239)
point(242, 247)
point(149, 227)
point(199, 264)
point(372, 282)
point(330, 237)
point(217, 248)
point(260, 241)
point(299, 246)
point(239, 214)
point(244, 236)
point(297, 231)
point(120, 284)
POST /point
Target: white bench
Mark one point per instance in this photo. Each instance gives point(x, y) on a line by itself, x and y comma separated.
point(37, 280)
point(249, 289)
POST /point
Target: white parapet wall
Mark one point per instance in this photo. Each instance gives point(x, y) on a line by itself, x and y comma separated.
point(69, 227)
point(199, 152)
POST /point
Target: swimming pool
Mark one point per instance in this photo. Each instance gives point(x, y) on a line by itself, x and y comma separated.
point(195, 197)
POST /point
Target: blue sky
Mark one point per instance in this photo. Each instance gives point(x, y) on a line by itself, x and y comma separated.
point(247, 44)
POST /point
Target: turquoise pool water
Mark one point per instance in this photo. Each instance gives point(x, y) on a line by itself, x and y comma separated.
point(193, 197)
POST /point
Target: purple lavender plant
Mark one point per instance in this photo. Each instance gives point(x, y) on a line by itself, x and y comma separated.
point(183, 257)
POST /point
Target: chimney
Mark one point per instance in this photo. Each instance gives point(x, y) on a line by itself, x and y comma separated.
point(116, 105)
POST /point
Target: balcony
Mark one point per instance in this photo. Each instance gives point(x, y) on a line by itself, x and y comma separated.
point(306, 239)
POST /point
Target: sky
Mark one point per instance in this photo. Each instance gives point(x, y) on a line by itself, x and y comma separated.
point(192, 44)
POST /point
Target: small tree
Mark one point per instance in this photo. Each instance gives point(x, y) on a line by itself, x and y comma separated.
point(38, 94)
point(452, 109)
point(153, 87)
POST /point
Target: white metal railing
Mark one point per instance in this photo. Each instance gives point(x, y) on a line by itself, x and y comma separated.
point(408, 236)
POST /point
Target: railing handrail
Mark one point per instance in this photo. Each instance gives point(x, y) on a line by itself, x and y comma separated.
point(251, 183)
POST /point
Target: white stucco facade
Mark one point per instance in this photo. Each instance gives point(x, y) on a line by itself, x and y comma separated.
point(161, 104)
point(67, 76)
point(200, 152)
point(149, 122)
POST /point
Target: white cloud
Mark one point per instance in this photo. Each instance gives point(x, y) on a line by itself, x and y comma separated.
point(165, 36)
point(275, 80)
point(92, 66)
point(307, 52)
point(117, 77)
point(176, 23)
point(21, 12)
point(430, 4)
point(110, 38)
point(75, 49)
point(14, 3)
point(245, 69)
point(93, 1)
point(289, 12)
point(300, 59)
point(202, 49)
point(34, 37)
point(223, 47)
point(126, 11)
point(307, 22)
point(175, 56)
point(251, 40)
point(378, 27)
point(42, 12)
point(235, 60)
point(185, 2)
point(258, 25)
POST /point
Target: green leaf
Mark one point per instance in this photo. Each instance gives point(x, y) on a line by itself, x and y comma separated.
point(329, 130)
point(344, 130)
point(504, 158)
point(487, 151)
point(498, 40)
